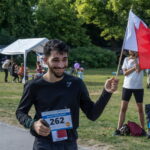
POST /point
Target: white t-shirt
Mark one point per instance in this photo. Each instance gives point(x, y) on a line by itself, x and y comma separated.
point(135, 79)
point(6, 64)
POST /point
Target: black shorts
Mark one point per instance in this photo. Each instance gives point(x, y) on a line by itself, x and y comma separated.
point(138, 94)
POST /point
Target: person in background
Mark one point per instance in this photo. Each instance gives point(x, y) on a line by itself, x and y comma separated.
point(60, 96)
point(5, 67)
point(21, 73)
point(1, 63)
point(39, 70)
point(76, 67)
point(14, 72)
point(133, 85)
point(80, 73)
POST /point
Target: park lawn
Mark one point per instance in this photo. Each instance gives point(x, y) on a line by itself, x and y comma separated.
point(91, 132)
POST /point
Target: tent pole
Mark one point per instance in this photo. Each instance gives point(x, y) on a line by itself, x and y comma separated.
point(24, 77)
point(11, 67)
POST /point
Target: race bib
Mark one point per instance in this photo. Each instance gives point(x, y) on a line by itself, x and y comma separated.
point(58, 119)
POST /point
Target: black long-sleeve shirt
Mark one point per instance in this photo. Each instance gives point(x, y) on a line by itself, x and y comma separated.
point(70, 92)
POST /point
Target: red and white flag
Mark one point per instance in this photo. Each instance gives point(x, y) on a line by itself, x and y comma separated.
point(137, 38)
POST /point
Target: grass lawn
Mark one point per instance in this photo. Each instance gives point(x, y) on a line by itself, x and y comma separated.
point(89, 132)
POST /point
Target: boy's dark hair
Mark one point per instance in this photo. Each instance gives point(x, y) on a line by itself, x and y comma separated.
point(57, 45)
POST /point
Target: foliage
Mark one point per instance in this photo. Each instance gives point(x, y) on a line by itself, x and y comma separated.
point(31, 59)
point(16, 20)
point(111, 15)
point(5, 37)
point(93, 57)
point(77, 22)
point(57, 19)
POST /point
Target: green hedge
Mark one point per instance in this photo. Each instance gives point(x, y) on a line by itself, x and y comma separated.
point(93, 57)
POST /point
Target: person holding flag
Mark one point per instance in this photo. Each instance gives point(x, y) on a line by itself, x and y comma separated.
point(137, 42)
point(133, 84)
point(137, 38)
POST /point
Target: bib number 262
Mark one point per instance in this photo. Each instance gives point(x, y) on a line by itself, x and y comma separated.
point(58, 120)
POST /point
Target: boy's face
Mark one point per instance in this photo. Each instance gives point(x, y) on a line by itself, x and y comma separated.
point(57, 63)
point(133, 53)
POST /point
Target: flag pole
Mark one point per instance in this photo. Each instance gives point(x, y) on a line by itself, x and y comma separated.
point(119, 63)
point(120, 59)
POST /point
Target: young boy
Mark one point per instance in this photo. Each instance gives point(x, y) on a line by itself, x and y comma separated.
point(133, 84)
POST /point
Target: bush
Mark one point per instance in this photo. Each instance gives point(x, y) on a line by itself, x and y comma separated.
point(93, 57)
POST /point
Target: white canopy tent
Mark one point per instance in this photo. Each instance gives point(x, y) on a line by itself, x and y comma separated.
point(23, 46)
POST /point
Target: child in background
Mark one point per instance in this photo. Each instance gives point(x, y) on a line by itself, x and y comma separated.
point(21, 73)
point(80, 73)
point(14, 72)
point(133, 84)
point(76, 67)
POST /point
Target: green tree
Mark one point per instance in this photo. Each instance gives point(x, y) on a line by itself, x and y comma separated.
point(5, 27)
point(58, 19)
point(111, 15)
point(22, 22)
point(16, 19)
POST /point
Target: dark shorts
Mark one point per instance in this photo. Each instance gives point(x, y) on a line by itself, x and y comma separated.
point(45, 144)
point(138, 94)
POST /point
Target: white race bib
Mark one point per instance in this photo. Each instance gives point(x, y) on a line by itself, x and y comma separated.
point(58, 119)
